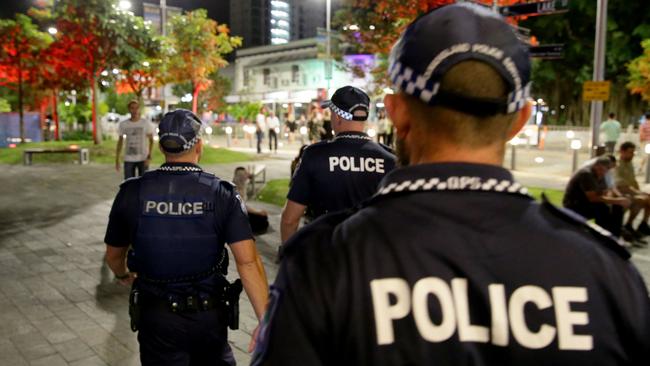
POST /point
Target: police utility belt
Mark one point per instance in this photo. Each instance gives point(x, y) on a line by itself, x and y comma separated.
point(227, 299)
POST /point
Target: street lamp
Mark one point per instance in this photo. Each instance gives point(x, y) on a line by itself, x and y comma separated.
point(576, 145)
point(52, 30)
point(303, 133)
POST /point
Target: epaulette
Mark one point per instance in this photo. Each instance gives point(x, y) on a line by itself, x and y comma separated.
point(603, 236)
point(132, 179)
point(387, 148)
point(207, 178)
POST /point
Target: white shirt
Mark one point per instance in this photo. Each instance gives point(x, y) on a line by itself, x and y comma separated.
point(273, 122)
point(135, 136)
point(261, 122)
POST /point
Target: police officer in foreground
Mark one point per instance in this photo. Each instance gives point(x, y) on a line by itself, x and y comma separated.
point(452, 263)
point(177, 220)
point(337, 174)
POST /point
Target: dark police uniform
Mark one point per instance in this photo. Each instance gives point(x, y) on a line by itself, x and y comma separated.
point(338, 174)
point(452, 263)
point(178, 219)
point(443, 267)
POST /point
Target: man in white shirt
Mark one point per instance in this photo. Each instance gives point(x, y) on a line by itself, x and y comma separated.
point(260, 123)
point(137, 136)
point(273, 124)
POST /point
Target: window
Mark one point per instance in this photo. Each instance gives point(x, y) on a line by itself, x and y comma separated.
point(295, 74)
point(267, 76)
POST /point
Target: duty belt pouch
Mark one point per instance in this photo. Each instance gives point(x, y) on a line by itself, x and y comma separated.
point(134, 308)
point(232, 303)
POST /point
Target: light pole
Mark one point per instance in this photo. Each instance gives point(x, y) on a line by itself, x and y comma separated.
point(513, 152)
point(163, 31)
point(228, 133)
point(599, 70)
point(328, 43)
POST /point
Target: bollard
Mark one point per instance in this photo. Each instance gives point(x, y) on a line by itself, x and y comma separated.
point(576, 144)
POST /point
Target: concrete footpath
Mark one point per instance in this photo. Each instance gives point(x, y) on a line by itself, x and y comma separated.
point(60, 305)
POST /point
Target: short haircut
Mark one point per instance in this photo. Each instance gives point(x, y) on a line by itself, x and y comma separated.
point(470, 78)
point(603, 161)
point(612, 158)
point(627, 145)
point(133, 101)
point(611, 115)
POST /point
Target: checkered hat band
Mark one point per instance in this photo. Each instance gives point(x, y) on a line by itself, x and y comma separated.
point(188, 145)
point(343, 114)
point(408, 81)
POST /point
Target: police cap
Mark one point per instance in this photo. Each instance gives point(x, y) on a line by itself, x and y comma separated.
point(349, 103)
point(178, 131)
point(449, 35)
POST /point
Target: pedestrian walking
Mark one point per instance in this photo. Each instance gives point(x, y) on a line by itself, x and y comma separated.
point(260, 127)
point(338, 174)
point(273, 124)
point(136, 135)
point(612, 130)
point(176, 221)
point(451, 262)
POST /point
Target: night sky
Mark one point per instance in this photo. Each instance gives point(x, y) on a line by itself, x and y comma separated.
point(217, 9)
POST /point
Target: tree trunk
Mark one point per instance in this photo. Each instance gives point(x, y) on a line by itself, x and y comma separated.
point(21, 120)
point(97, 137)
point(195, 98)
point(55, 115)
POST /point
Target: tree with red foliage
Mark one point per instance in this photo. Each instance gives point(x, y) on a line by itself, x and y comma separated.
point(20, 45)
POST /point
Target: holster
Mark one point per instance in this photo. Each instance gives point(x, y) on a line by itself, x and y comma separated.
point(134, 308)
point(231, 300)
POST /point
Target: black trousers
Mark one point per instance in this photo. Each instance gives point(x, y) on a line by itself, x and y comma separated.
point(606, 216)
point(273, 139)
point(189, 339)
point(130, 168)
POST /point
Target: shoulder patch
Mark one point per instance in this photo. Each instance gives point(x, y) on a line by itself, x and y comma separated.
point(603, 236)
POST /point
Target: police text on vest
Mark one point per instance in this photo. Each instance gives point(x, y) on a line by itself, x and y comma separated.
point(393, 300)
point(174, 208)
point(355, 164)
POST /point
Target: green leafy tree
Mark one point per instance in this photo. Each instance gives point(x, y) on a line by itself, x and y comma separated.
point(639, 70)
point(20, 46)
point(4, 106)
point(244, 111)
point(197, 47)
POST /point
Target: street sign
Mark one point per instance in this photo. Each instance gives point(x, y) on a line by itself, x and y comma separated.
point(547, 51)
point(595, 90)
point(536, 8)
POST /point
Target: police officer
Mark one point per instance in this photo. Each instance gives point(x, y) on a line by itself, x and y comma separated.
point(452, 263)
point(176, 220)
point(337, 174)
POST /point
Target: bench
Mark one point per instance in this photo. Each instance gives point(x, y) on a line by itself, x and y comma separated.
point(84, 155)
point(257, 176)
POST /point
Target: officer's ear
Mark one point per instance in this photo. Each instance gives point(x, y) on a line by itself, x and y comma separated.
point(398, 111)
point(199, 147)
point(520, 120)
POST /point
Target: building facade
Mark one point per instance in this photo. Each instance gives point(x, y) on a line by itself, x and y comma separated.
point(295, 72)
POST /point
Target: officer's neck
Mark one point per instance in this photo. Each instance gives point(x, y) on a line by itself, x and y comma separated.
point(350, 127)
point(189, 158)
point(446, 153)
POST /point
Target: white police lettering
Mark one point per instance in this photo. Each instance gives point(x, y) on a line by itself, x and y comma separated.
point(512, 69)
point(393, 300)
point(355, 164)
point(174, 208)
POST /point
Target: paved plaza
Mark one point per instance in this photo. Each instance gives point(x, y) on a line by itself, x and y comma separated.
point(59, 303)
